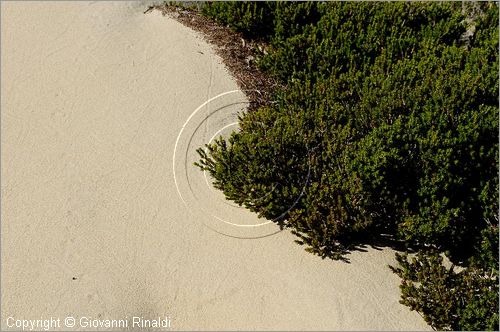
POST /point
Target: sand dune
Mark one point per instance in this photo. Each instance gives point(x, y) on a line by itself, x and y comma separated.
point(103, 214)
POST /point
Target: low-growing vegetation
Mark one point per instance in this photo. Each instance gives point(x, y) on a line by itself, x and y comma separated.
point(387, 124)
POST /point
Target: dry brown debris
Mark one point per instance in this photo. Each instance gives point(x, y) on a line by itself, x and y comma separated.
point(237, 53)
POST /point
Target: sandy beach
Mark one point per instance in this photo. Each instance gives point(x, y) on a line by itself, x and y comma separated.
point(104, 217)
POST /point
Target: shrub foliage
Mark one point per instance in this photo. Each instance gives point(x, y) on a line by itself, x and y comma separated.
point(387, 124)
point(449, 300)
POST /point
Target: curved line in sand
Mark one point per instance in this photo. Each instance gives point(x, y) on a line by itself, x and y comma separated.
point(177, 185)
point(180, 133)
point(175, 151)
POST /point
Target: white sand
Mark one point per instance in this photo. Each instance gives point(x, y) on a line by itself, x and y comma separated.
point(94, 97)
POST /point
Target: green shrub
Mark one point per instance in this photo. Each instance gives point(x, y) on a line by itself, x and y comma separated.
point(449, 300)
point(403, 120)
point(254, 19)
point(387, 124)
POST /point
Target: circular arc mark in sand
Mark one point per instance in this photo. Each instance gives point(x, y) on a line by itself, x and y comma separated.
point(211, 207)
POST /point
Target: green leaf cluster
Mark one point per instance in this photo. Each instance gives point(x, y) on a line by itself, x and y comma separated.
point(447, 297)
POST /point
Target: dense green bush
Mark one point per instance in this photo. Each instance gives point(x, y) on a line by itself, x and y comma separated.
point(254, 19)
point(449, 300)
point(388, 124)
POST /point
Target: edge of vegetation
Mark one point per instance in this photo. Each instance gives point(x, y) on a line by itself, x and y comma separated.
point(400, 124)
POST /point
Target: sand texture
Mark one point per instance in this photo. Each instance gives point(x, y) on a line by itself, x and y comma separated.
point(103, 214)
